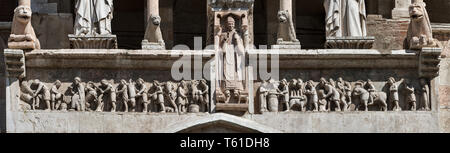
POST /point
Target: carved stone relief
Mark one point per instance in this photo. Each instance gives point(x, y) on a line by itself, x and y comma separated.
point(22, 33)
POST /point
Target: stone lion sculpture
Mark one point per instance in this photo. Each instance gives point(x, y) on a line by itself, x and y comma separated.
point(22, 33)
point(419, 31)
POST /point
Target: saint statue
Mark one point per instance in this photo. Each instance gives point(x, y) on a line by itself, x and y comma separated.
point(232, 58)
point(93, 17)
point(345, 18)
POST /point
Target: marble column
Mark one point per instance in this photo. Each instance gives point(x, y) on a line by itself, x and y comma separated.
point(401, 9)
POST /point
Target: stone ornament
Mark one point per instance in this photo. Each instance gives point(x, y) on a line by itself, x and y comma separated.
point(132, 96)
point(420, 33)
point(22, 33)
point(286, 38)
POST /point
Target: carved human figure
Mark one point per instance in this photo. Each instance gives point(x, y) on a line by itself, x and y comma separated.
point(297, 97)
point(158, 96)
point(410, 96)
point(232, 60)
point(182, 100)
point(41, 92)
point(311, 93)
point(56, 96)
point(122, 94)
point(22, 33)
point(141, 94)
point(332, 94)
point(322, 100)
point(372, 90)
point(132, 91)
point(263, 92)
point(78, 95)
point(171, 93)
point(92, 98)
point(26, 95)
point(348, 92)
point(93, 17)
point(393, 93)
point(424, 95)
point(340, 86)
point(108, 94)
point(200, 94)
point(345, 18)
point(419, 31)
point(283, 90)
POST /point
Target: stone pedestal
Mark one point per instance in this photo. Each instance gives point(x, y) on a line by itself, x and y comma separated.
point(287, 45)
point(93, 42)
point(349, 42)
point(146, 45)
point(401, 9)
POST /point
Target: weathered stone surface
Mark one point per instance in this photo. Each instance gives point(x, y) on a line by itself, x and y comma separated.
point(444, 115)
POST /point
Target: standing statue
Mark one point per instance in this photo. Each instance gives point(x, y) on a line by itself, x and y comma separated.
point(410, 96)
point(41, 92)
point(283, 90)
point(372, 90)
point(313, 99)
point(182, 100)
point(122, 93)
point(393, 93)
point(158, 96)
point(78, 97)
point(132, 91)
point(56, 96)
point(171, 95)
point(108, 94)
point(424, 95)
point(141, 94)
point(345, 18)
point(93, 17)
point(22, 32)
point(232, 60)
point(263, 92)
point(419, 31)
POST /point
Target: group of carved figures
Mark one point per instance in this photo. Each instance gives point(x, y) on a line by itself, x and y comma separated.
point(339, 95)
point(128, 96)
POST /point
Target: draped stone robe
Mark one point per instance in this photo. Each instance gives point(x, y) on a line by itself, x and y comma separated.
point(93, 16)
point(345, 18)
point(232, 62)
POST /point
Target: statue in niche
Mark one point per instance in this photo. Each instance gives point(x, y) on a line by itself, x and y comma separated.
point(410, 96)
point(56, 96)
point(93, 17)
point(141, 94)
point(122, 94)
point(200, 94)
point(419, 31)
point(263, 92)
point(182, 99)
point(41, 92)
point(312, 97)
point(345, 18)
point(22, 32)
point(132, 95)
point(157, 96)
point(393, 93)
point(171, 93)
point(108, 94)
point(332, 94)
point(424, 95)
point(92, 100)
point(231, 61)
point(297, 97)
point(78, 95)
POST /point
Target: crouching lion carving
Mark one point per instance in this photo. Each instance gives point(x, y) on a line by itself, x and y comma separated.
point(22, 33)
point(419, 31)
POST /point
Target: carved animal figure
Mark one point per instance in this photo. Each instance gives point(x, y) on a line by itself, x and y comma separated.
point(286, 27)
point(419, 31)
point(361, 96)
point(22, 33)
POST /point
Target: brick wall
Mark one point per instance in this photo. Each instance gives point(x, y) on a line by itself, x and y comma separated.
point(7, 9)
point(389, 34)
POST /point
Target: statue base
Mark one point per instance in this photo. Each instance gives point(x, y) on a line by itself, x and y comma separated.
point(152, 45)
point(349, 42)
point(287, 45)
point(93, 42)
